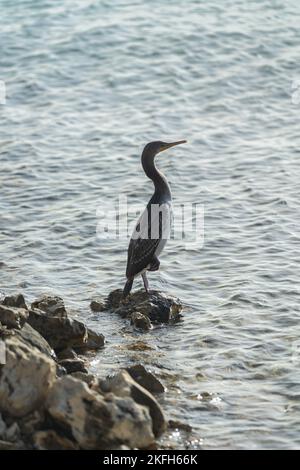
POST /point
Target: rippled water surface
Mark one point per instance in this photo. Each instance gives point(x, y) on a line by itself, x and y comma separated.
point(88, 83)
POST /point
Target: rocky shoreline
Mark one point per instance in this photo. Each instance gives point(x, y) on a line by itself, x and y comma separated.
point(48, 398)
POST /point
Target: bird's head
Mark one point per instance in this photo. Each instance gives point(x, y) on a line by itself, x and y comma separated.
point(153, 148)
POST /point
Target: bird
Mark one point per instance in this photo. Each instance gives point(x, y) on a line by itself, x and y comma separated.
point(153, 227)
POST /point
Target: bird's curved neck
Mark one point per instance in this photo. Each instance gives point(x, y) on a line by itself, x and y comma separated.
point(161, 185)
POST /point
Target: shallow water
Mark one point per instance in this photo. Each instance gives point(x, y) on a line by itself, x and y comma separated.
point(88, 84)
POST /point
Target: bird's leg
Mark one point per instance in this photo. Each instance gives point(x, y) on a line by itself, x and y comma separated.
point(146, 283)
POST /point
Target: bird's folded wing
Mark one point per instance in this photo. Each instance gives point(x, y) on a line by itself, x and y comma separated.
point(140, 254)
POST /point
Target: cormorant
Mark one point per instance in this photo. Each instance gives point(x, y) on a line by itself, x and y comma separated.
point(153, 227)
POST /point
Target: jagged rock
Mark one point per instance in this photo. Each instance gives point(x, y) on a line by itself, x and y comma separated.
point(33, 337)
point(2, 427)
point(67, 353)
point(89, 379)
point(179, 425)
point(12, 432)
point(97, 305)
point(123, 385)
point(145, 378)
point(94, 341)
point(13, 317)
point(51, 440)
point(60, 331)
point(25, 378)
point(160, 308)
point(52, 305)
point(73, 365)
point(16, 300)
point(32, 422)
point(6, 445)
point(140, 321)
point(114, 299)
point(96, 421)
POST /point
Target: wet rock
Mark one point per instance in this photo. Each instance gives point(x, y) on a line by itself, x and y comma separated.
point(123, 385)
point(60, 331)
point(51, 440)
point(96, 421)
point(50, 304)
point(140, 321)
point(97, 305)
point(179, 425)
point(73, 365)
point(158, 307)
point(94, 340)
point(67, 353)
point(139, 346)
point(114, 299)
point(33, 338)
point(25, 378)
point(16, 300)
point(145, 378)
point(13, 317)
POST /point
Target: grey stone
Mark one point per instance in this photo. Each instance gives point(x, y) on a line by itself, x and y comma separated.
point(13, 317)
point(51, 440)
point(97, 305)
point(145, 378)
point(160, 308)
point(16, 300)
point(60, 331)
point(25, 378)
point(95, 421)
point(140, 321)
point(123, 385)
point(50, 304)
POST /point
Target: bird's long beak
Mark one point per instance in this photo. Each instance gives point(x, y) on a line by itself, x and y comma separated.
point(172, 144)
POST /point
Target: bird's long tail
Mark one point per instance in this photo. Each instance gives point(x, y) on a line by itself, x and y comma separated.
point(127, 287)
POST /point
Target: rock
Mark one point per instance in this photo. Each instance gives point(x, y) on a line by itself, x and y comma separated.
point(160, 308)
point(60, 331)
point(89, 379)
point(95, 421)
point(15, 301)
point(13, 317)
point(25, 378)
point(33, 338)
point(114, 299)
point(145, 378)
point(94, 341)
point(140, 321)
point(12, 433)
point(179, 425)
point(73, 365)
point(32, 422)
point(139, 346)
point(123, 385)
point(67, 353)
point(2, 427)
point(52, 305)
point(97, 305)
point(6, 445)
point(51, 440)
